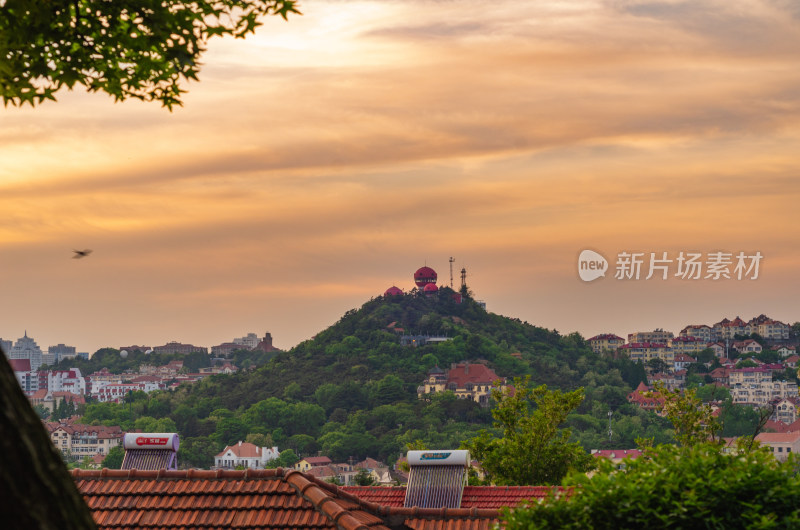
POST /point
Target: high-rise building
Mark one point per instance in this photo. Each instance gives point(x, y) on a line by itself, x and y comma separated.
point(26, 348)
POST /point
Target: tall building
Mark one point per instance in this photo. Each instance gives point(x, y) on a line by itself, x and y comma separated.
point(26, 348)
point(62, 351)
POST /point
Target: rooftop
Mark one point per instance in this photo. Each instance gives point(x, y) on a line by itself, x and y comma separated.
point(263, 498)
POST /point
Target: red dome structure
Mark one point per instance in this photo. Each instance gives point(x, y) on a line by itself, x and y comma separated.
point(430, 288)
point(393, 291)
point(425, 276)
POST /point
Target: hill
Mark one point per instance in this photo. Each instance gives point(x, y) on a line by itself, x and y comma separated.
point(351, 390)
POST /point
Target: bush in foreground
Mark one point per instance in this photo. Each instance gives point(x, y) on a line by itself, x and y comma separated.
point(671, 487)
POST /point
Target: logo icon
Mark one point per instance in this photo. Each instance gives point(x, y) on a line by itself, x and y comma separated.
point(591, 265)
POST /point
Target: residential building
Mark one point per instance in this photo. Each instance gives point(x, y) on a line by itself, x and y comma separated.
point(761, 394)
point(643, 398)
point(78, 440)
point(28, 379)
point(698, 331)
point(787, 351)
point(645, 351)
point(728, 329)
point(65, 381)
point(312, 461)
point(785, 409)
point(781, 444)
point(791, 361)
point(744, 376)
point(747, 346)
point(687, 345)
point(467, 380)
point(245, 454)
point(681, 361)
point(605, 342)
point(719, 349)
point(115, 392)
point(768, 328)
point(617, 456)
point(657, 335)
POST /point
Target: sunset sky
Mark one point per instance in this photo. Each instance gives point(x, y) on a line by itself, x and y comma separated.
point(328, 157)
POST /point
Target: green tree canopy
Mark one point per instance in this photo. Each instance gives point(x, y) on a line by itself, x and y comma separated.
point(113, 459)
point(533, 450)
point(138, 49)
point(691, 487)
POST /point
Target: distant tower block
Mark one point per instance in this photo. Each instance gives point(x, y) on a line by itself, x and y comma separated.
point(424, 276)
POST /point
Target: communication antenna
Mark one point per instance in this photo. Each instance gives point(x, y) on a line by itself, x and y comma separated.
point(463, 277)
point(452, 259)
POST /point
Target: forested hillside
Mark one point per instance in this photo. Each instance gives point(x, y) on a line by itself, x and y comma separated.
point(351, 390)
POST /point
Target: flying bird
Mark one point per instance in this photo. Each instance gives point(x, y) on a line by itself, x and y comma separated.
point(81, 253)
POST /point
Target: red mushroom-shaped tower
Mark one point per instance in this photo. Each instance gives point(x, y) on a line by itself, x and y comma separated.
point(425, 276)
point(393, 291)
point(430, 289)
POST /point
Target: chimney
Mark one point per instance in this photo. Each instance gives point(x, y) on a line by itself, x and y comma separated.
point(466, 368)
point(240, 443)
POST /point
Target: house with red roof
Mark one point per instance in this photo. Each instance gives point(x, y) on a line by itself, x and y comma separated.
point(312, 461)
point(781, 444)
point(687, 345)
point(792, 361)
point(467, 380)
point(78, 440)
point(245, 454)
point(617, 456)
point(642, 399)
point(784, 409)
point(699, 331)
point(747, 346)
point(605, 342)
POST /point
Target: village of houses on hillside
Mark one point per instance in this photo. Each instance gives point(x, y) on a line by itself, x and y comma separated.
point(726, 344)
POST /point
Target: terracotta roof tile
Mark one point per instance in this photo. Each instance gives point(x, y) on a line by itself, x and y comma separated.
point(273, 499)
point(481, 497)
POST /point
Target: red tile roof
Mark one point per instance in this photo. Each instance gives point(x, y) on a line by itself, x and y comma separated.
point(263, 498)
point(242, 450)
point(461, 374)
point(479, 497)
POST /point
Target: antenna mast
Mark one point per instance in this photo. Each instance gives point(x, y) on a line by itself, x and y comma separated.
point(452, 259)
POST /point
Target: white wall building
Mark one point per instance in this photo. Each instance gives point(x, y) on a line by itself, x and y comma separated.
point(245, 454)
point(250, 341)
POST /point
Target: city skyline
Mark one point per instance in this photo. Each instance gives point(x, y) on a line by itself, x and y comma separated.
point(328, 157)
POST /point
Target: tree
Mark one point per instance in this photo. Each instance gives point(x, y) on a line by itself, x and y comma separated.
point(364, 478)
point(693, 421)
point(113, 459)
point(532, 450)
point(657, 365)
point(671, 487)
point(41, 411)
point(126, 48)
